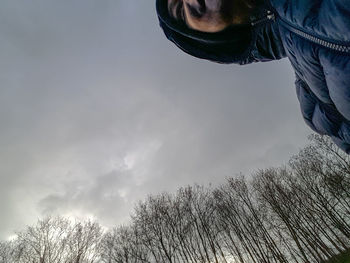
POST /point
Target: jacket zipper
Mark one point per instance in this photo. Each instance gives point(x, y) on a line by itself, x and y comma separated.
point(269, 16)
point(319, 41)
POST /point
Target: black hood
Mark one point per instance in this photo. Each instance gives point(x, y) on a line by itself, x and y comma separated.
point(239, 44)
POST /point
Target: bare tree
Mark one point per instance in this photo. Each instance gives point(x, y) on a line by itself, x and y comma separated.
point(44, 242)
point(296, 213)
point(151, 222)
point(6, 249)
point(83, 244)
point(57, 240)
point(122, 245)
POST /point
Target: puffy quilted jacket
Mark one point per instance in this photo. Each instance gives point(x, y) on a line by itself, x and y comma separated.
point(316, 37)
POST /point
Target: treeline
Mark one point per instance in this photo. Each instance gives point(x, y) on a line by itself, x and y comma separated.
point(297, 213)
point(54, 240)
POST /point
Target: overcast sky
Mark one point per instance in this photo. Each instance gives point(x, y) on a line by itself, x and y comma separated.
point(98, 110)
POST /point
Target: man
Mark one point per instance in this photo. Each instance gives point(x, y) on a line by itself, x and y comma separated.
point(313, 34)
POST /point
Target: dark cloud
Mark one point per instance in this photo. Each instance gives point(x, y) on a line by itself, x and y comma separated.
point(98, 110)
point(105, 197)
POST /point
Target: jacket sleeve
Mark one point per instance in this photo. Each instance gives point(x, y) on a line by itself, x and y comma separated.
point(322, 118)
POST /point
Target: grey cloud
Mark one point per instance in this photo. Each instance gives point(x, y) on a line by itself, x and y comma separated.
point(98, 110)
point(104, 198)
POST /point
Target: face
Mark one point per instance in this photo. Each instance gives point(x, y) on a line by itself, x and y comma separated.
point(209, 15)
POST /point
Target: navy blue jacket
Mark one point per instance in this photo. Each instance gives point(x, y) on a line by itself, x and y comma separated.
point(314, 35)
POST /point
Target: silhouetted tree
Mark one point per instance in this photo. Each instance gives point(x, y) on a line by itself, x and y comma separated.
point(5, 251)
point(57, 240)
point(296, 213)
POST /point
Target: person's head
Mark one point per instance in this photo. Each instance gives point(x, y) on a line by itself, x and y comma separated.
point(223, 31)
point(211, 15)
point(207, 29)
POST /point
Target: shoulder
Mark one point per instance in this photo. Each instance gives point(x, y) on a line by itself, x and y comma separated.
point(326, 18)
